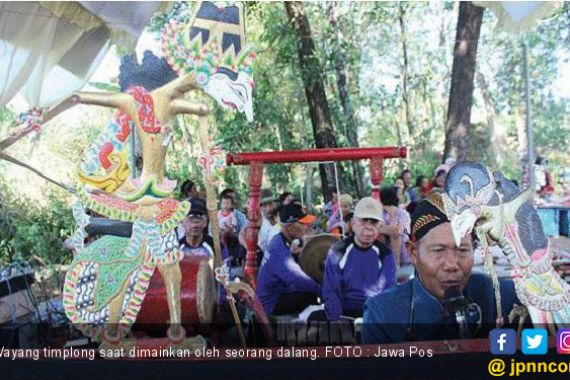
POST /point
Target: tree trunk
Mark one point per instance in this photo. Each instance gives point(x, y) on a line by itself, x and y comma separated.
point(405, 73)
point(462, 75)
point(311, 73)
point(304, 137)
point(497, 134)
point(344, 94)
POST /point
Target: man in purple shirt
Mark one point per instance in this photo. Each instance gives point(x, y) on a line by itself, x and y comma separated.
point(358, 267)
point(282, 286)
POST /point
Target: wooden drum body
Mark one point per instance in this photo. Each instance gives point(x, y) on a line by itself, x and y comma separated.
point(197, 295)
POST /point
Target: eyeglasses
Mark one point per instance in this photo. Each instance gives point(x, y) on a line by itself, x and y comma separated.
point(195, 218)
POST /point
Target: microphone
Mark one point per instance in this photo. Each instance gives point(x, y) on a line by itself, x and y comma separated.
point(455, 305)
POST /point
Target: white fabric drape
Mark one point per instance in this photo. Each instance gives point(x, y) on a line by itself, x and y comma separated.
point(46, 57)
point(125, 19)
point(519, 16)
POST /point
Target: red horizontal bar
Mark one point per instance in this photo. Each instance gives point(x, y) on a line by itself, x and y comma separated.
point(316, 155)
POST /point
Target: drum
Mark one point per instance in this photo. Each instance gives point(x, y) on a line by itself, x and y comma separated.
point(198, 295)
point(312, 257)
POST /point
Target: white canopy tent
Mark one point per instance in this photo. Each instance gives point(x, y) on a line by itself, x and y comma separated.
point(48, 50)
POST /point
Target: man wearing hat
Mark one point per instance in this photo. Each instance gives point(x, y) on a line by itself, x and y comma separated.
point(443, 300)
point(196, 241)
point(282, 286)
point(357, 267)
point(269, 223)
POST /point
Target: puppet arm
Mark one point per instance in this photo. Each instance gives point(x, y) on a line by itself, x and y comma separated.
point(59, 108)
point(186, 107)
point(120, 101)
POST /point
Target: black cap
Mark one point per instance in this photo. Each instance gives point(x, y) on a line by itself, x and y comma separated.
point(428, 214)
point(197, 206)
point(294, 213)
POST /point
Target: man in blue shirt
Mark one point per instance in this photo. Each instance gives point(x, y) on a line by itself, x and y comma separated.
point(358, 267)
point(282, 286)
point(420, 308)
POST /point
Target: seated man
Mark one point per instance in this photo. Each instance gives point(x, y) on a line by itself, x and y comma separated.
point(357, 267)
point(269, 223)
point(282, 286)
point(197, 242)
point(416, 310)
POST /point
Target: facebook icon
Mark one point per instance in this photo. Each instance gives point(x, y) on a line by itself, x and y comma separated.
point(503, 341)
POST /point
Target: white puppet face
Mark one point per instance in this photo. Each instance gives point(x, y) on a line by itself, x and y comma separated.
point(467, 208)
point(462, 224)
point(232, 94)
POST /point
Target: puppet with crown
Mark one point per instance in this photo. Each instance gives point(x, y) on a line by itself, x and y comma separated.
point(108, 279)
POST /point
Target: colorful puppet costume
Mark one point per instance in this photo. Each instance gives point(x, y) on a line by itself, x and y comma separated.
point(213, 46)
point(113, 265)
point(108, 153)
point(492, 206)
point(108, 279)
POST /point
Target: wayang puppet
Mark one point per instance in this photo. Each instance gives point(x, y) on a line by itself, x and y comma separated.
point(494, 208)
point(108, 279)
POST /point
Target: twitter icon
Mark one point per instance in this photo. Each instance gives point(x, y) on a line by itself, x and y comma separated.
point(534, 342)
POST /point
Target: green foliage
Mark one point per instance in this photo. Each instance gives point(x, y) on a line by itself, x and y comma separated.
point(7, 118)
point(368, 39)
point(28, 229)
point(6, 115)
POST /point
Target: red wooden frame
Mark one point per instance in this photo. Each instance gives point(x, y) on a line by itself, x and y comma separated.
point(256, 160)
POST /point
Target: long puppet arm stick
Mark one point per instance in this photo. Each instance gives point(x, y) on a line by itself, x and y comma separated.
point(47, 116)
point(211, 200)
point(61, 107)
point(182, 106)
point(120, 101)
point(232, 303)
point(11, 159)
point(15, 137)
point(109, 100)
